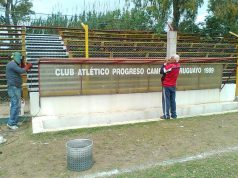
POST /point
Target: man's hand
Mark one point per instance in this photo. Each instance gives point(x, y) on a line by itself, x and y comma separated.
point(28, 66)
point(167, 70)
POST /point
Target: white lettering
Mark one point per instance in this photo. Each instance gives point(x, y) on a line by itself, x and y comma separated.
point(127, 71)
point(64, 72)
point(195, 70)
point(209, 70)
point(57, 72)
point(153, 71)
point(92, 71)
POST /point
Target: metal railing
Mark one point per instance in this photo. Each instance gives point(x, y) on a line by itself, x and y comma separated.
point(114, 44)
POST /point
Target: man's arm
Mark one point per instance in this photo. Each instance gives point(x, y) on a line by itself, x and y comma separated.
point(165, 69)
point(20, 70)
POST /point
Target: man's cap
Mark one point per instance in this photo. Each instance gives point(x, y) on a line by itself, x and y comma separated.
point(17, 57)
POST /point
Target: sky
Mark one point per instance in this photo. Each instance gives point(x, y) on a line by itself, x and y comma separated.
point(202, 12)
point(72, 7)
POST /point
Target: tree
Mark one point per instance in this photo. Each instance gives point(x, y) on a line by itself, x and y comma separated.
point(111, 20)
point(161, 10)
point(157, 11)
point(16, 10)
point(223, 16)
point(188, 26)
point(6, 4)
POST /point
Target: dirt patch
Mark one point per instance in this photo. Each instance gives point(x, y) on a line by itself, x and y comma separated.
point(44, 155)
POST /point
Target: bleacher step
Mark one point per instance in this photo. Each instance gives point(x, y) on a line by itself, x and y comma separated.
point(42, 46)
point(45, 47)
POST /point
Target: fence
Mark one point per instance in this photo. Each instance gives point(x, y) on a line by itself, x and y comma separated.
point(38, 42)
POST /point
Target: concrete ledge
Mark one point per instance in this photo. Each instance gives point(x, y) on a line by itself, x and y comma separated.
point(205, 109)
point(86, 120)
point(64, 122)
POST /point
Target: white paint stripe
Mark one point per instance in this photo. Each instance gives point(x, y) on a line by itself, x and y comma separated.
point(164, 163)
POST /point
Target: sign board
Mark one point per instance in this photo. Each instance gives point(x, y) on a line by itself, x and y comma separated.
point(86, 79)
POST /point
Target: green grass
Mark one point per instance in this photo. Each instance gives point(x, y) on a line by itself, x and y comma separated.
point(127, 147)
point(73, 132)
point(219, 166)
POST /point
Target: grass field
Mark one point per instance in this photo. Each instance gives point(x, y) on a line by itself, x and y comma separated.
point(219, 166)
point(152, 149)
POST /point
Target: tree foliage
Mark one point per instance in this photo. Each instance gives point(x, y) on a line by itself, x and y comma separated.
point(223, 17)
point(136, 15)
point(161, 10)
point(16, 11)
point(117, 20)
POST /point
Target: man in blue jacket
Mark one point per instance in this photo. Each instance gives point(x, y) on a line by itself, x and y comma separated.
point(14, 87)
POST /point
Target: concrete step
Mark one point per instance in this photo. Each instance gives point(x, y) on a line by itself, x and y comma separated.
point(33, 84)
point(50, 50)
point(29, 75)
point(42, 35)
point(40, 43)
point(37, 47)
point(33, 89)
point(35, 59)
point(44, 43)
point(34, 62)
point(45, 123)
point(31, 78)
point(33, 70)
point(43, 38)
point(45, 53)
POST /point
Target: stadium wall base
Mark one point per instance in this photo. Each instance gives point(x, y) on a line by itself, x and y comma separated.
point(62, 113)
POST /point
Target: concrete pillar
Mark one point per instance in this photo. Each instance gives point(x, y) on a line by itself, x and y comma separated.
point(171, 43)
point(34, 103)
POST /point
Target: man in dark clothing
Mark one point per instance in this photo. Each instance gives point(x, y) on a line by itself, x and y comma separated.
point(14, 87)
point(170, 71)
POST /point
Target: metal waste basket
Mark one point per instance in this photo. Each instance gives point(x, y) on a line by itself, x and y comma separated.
point(79, 154)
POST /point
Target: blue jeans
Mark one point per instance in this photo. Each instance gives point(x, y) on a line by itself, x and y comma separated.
point(15, 100)
point(168, 102)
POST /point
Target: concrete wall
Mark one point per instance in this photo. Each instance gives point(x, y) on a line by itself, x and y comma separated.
point(121, 102)
point(69, 112)
point(228, 93)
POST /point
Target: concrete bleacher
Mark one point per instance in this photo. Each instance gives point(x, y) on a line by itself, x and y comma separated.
point(108, 44)
point(32, 47)
point(114, 44)
point(111, 44)
point(11, 40)
point(42, 46)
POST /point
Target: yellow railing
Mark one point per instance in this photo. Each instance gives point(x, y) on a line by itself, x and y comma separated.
point(86, 39)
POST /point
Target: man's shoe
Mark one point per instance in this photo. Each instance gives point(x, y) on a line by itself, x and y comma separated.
point(12, 127)
point(163, 117)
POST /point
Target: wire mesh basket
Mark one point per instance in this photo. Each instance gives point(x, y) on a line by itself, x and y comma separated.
point(79, 154)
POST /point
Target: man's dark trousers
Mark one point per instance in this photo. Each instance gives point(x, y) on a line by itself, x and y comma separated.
point(168, 102)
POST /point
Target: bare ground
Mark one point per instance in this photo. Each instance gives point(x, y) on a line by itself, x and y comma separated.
point(44, 155)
